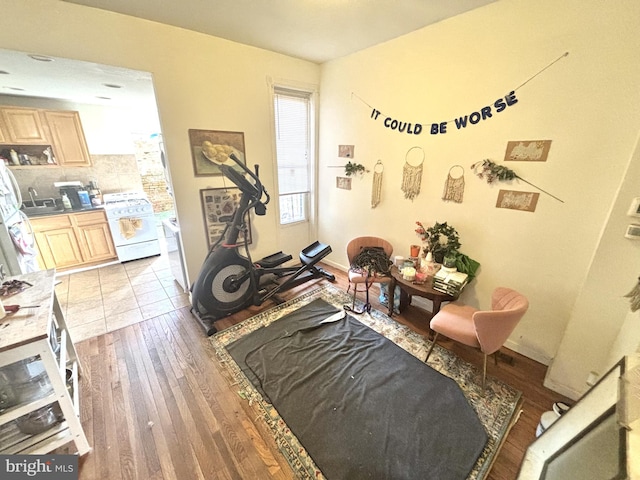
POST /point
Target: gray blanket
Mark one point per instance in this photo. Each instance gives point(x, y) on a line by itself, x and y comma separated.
point(360, 405)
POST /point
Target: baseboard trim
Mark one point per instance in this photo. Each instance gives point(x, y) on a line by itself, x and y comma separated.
point(528, 352)
point(562, 389)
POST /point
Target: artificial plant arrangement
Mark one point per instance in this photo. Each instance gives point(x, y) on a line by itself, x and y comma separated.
point(352, 168)
point(440, 239)
point(443, 240)
point(490, 171)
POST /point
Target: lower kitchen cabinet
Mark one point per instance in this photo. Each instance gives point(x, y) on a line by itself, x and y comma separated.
point(94, 236)
point(73, 240)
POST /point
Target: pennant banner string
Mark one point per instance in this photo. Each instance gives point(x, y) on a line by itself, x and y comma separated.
point(461, 122)
point(548, 66)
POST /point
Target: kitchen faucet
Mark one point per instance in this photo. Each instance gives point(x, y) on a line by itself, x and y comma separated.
point(32, 193)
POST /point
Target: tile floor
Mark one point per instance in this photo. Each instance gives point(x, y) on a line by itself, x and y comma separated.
point(111, 297)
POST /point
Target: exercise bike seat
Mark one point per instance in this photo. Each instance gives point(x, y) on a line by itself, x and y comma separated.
point(274, 260)
point(314, 253)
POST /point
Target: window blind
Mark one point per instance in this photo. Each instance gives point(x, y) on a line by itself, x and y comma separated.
point(292, 122)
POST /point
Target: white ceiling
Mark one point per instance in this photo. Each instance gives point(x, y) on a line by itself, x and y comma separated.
point(314, 30)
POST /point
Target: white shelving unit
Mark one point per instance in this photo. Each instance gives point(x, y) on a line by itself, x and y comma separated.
point(41, 332)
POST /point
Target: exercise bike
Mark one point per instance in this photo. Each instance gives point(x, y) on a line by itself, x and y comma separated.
point(229, 281)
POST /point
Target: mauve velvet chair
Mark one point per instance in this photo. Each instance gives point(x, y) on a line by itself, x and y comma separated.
point(357, 277)
point(483, 329)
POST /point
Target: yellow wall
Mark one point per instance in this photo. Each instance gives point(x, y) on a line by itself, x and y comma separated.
point(586, 103)
point(201, 82)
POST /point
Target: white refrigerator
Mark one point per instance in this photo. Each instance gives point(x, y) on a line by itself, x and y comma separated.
point(18, 253)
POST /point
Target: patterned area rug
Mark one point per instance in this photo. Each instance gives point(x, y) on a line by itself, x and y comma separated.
point(497, 407)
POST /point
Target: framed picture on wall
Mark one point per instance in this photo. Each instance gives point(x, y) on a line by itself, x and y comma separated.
point(218, 207)
point(527, 151)
point(210, 148)
point(516, 200)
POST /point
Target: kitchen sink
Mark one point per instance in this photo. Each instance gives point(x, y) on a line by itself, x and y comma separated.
point(46, 206)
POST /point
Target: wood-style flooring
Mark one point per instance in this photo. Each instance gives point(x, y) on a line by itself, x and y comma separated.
point(155, 405)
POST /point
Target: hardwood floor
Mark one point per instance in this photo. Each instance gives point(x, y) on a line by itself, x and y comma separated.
point(156, 406)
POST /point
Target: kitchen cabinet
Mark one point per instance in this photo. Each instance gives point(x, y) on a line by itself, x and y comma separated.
point(60, 129)
point(40, 336)
point(73, 240)
point(3, 137)
point(69, 144)
point(23, 126)
point(94, 236)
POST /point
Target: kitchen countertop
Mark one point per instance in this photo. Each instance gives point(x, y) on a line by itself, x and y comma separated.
point(29, 324)
point(51, 213)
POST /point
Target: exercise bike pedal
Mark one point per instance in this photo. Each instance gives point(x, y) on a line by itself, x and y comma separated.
point(274, 260)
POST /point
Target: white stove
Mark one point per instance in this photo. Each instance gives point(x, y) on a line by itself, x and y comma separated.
point(133, 225)
point(126, 204)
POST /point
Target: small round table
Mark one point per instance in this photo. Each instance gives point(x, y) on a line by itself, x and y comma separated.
point(421, 290)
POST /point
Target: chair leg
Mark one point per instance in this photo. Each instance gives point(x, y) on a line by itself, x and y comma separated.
point(365, 308)
point(355, 292)
point(433, 343)
point(484, 372)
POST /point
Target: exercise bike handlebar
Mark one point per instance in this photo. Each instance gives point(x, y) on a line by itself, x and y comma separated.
point(256, 190)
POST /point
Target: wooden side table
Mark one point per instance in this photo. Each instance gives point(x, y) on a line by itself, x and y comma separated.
point(424, 290)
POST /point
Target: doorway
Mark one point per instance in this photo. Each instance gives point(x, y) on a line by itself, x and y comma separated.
point(119, 116)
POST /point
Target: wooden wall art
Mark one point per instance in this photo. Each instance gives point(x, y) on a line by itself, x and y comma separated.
point(346, 151)
point(516, 200)
point(343, 182)
point(527, 151)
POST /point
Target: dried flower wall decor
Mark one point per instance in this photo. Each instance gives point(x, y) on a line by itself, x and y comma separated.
point(490, 171)
point(634, 297)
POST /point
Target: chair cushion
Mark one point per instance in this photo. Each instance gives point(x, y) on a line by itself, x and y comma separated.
point(361, 277)
point(455, 321)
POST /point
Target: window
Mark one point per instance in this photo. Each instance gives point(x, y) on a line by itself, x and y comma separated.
point(293, 123)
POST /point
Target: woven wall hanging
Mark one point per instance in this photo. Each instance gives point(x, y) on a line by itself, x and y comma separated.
point(376, 188)
point(412, 173)
point(454, 186)
point(634, 297)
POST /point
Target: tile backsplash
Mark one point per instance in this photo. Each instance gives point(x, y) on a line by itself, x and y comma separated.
point(112, 173)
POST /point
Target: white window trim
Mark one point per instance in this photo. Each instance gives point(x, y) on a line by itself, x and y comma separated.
point(313, 173)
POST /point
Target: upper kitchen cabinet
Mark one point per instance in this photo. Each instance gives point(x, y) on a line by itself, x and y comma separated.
point(22, 126)
point(30, 131)
point(67, 137)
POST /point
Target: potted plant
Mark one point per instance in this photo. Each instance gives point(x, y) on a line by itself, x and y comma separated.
point(440, 239)
point(443, 241)
point(352, 168)
point(466, 264)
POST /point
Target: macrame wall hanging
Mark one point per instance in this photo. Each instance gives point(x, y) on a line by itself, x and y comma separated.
point(634, 297)
point(412, 173)
point(376, 189)
point(454, 186)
